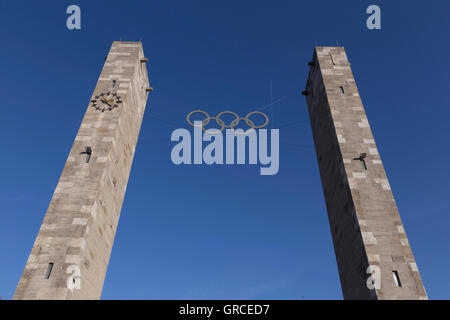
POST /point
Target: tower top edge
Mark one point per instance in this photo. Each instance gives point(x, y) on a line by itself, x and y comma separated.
point(129, 42)
point(329, 47)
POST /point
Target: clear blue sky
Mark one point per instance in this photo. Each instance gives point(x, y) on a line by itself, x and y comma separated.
point(224, 232)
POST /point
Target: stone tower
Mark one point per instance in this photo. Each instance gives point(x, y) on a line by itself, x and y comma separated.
point(366, 228)
point(71, 253)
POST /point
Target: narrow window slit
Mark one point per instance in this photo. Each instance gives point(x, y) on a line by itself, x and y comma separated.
point(341, 88)
point(332, 59)
point(396, 278)
point(49, 270)
point(113, 83)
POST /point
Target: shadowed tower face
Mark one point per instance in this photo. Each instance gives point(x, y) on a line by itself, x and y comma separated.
point(70, 256)
point(366, 228)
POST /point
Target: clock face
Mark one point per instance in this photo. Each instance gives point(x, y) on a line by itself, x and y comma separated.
point(105, 101)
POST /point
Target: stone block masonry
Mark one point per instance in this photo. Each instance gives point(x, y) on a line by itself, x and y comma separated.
point(364, 220)
point(70, 256)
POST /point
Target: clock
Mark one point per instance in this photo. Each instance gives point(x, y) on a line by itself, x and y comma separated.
point(106, 101)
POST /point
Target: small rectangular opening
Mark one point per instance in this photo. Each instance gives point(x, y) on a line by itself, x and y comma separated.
point(49, 270)
point(396, 278)
point(113, 83)
point(341, 88)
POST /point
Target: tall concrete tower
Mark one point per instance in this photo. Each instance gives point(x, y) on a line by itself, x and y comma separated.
point(367, 231)
point(71, 252)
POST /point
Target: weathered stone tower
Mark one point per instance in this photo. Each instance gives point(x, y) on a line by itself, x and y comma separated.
point(365, 224)
point(71, 252)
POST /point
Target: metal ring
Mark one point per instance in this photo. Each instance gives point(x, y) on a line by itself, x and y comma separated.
point(231, 124)
point(207, 119)
point(219, 122)
point(234, 123)
point(251, 124)
point(244, 133)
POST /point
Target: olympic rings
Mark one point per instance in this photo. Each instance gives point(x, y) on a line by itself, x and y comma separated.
point(251, 124)
point(219, 122)
point(207, 119)
point(232, 113)
point(222, 124)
